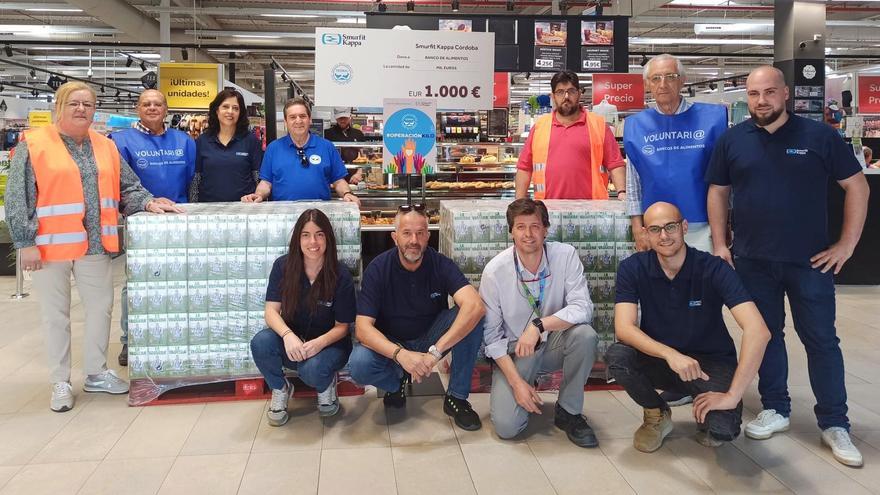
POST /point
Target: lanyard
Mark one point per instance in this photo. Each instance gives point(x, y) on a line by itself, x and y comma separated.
point(542, 283)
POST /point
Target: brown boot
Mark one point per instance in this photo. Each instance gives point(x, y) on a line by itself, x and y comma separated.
point(657, 424)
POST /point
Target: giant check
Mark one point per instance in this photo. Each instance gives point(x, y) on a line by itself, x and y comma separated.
point(363, 67)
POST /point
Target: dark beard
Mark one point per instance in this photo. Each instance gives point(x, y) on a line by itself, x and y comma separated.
point(567, 113)
point(763, 122)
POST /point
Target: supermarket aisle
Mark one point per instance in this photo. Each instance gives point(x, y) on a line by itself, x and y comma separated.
point(103, 446)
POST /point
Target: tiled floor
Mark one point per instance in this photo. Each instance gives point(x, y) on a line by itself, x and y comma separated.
point(103, 446)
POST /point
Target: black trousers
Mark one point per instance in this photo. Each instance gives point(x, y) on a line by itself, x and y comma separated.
point(640, 375)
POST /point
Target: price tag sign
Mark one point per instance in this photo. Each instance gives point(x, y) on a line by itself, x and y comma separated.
point(363, 67)
point(550, 40)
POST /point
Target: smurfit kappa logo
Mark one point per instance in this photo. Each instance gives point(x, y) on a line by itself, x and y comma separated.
point(331, 39)
point(341, 73)
point(648, 149)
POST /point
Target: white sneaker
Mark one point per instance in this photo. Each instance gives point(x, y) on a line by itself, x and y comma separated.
point(277, 413)
point(842, 447)
point(107, 381)
point(766, 424)
point(328, 402)
point(62, 397)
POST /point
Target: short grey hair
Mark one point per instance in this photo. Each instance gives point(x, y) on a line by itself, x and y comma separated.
point(679, 67)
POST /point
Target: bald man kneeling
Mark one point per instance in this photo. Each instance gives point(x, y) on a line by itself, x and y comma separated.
point(681, 343)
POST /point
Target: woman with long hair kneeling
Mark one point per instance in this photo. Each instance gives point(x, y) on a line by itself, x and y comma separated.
point(310, 303)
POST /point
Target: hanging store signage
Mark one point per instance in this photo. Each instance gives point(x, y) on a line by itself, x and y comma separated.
point(501, 90)
point(363, 67)
point(39, 118)
point(409, 136)
point(149, 80)
point(190, 86)
point(625, 91)
point(550, 40)
point(597, 46)
point(869, 94)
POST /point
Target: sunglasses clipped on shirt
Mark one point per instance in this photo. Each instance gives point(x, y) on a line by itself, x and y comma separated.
point(302, 156)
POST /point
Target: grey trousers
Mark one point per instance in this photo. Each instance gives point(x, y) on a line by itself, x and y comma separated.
point(573, 351)
point(94, 280)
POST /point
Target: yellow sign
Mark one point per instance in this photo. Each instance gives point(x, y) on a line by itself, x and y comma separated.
point(190, 86)
point(39, 118)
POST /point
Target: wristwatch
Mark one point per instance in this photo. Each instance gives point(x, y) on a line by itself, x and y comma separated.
point(538, 324)
point(435, 352)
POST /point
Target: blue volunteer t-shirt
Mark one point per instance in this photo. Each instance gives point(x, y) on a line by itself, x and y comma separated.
point(671, 153)
point(405, 303)
point(779, 184)
point(305, 324)
point(165, 164)
point(291, 179)
point(227, 171)
point(685, 312)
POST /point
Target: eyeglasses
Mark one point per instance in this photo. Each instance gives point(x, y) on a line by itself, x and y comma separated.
point(563, 93)
point(658, 78)
point(302, 156)
point(85, 104)
point(411, 207)
point(670, 228)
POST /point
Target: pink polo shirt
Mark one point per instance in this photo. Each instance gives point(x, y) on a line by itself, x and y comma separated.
point(569, 154)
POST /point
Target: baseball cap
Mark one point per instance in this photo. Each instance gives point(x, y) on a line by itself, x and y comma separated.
point(341, 112)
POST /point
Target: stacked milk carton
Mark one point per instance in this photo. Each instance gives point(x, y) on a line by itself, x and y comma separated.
point(473, 232)
point(197, 283)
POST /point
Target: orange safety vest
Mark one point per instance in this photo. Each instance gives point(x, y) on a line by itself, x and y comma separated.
point(540, 149)
point(61, 209)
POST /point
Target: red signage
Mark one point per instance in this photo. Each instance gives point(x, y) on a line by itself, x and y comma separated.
point(501, 90)
point(625, 91)
point(869, 94)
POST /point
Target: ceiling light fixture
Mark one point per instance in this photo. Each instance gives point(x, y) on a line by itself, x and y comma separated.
point(8, 50)
point(143, 66)
point(129, 61)
point(691, 91)
point(644, 61)
point(184, 54)
point(410, 6)
point(713, 86)
point(510, 5)
point(33, 73)
point(117, 93)
point(455, 5)
point(382, 6)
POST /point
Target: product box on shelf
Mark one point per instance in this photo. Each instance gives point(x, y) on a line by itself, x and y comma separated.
point(197, 286)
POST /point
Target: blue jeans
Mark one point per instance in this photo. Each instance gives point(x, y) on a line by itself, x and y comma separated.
point(123, 320)
point(269, 355)
point(811, 296)
point(371, 368)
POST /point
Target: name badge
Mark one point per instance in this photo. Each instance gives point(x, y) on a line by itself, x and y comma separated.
point(435, 295)
point(795, 151)
point(315, 159)
point(695, 304)
point(242, 153)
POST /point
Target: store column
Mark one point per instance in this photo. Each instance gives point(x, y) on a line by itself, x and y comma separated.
point(799, 38)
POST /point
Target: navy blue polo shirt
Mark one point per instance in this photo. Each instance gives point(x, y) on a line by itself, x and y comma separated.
point(685, 312)
point(227, 172)
point(405, 303)
point(308, 326)
point(779, 184)
point(291, 180)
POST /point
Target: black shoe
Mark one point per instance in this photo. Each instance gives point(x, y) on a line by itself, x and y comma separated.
point(123, 355)
point(397, 399)
point(462, 412)
point(576, 427)
point(674, 399)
